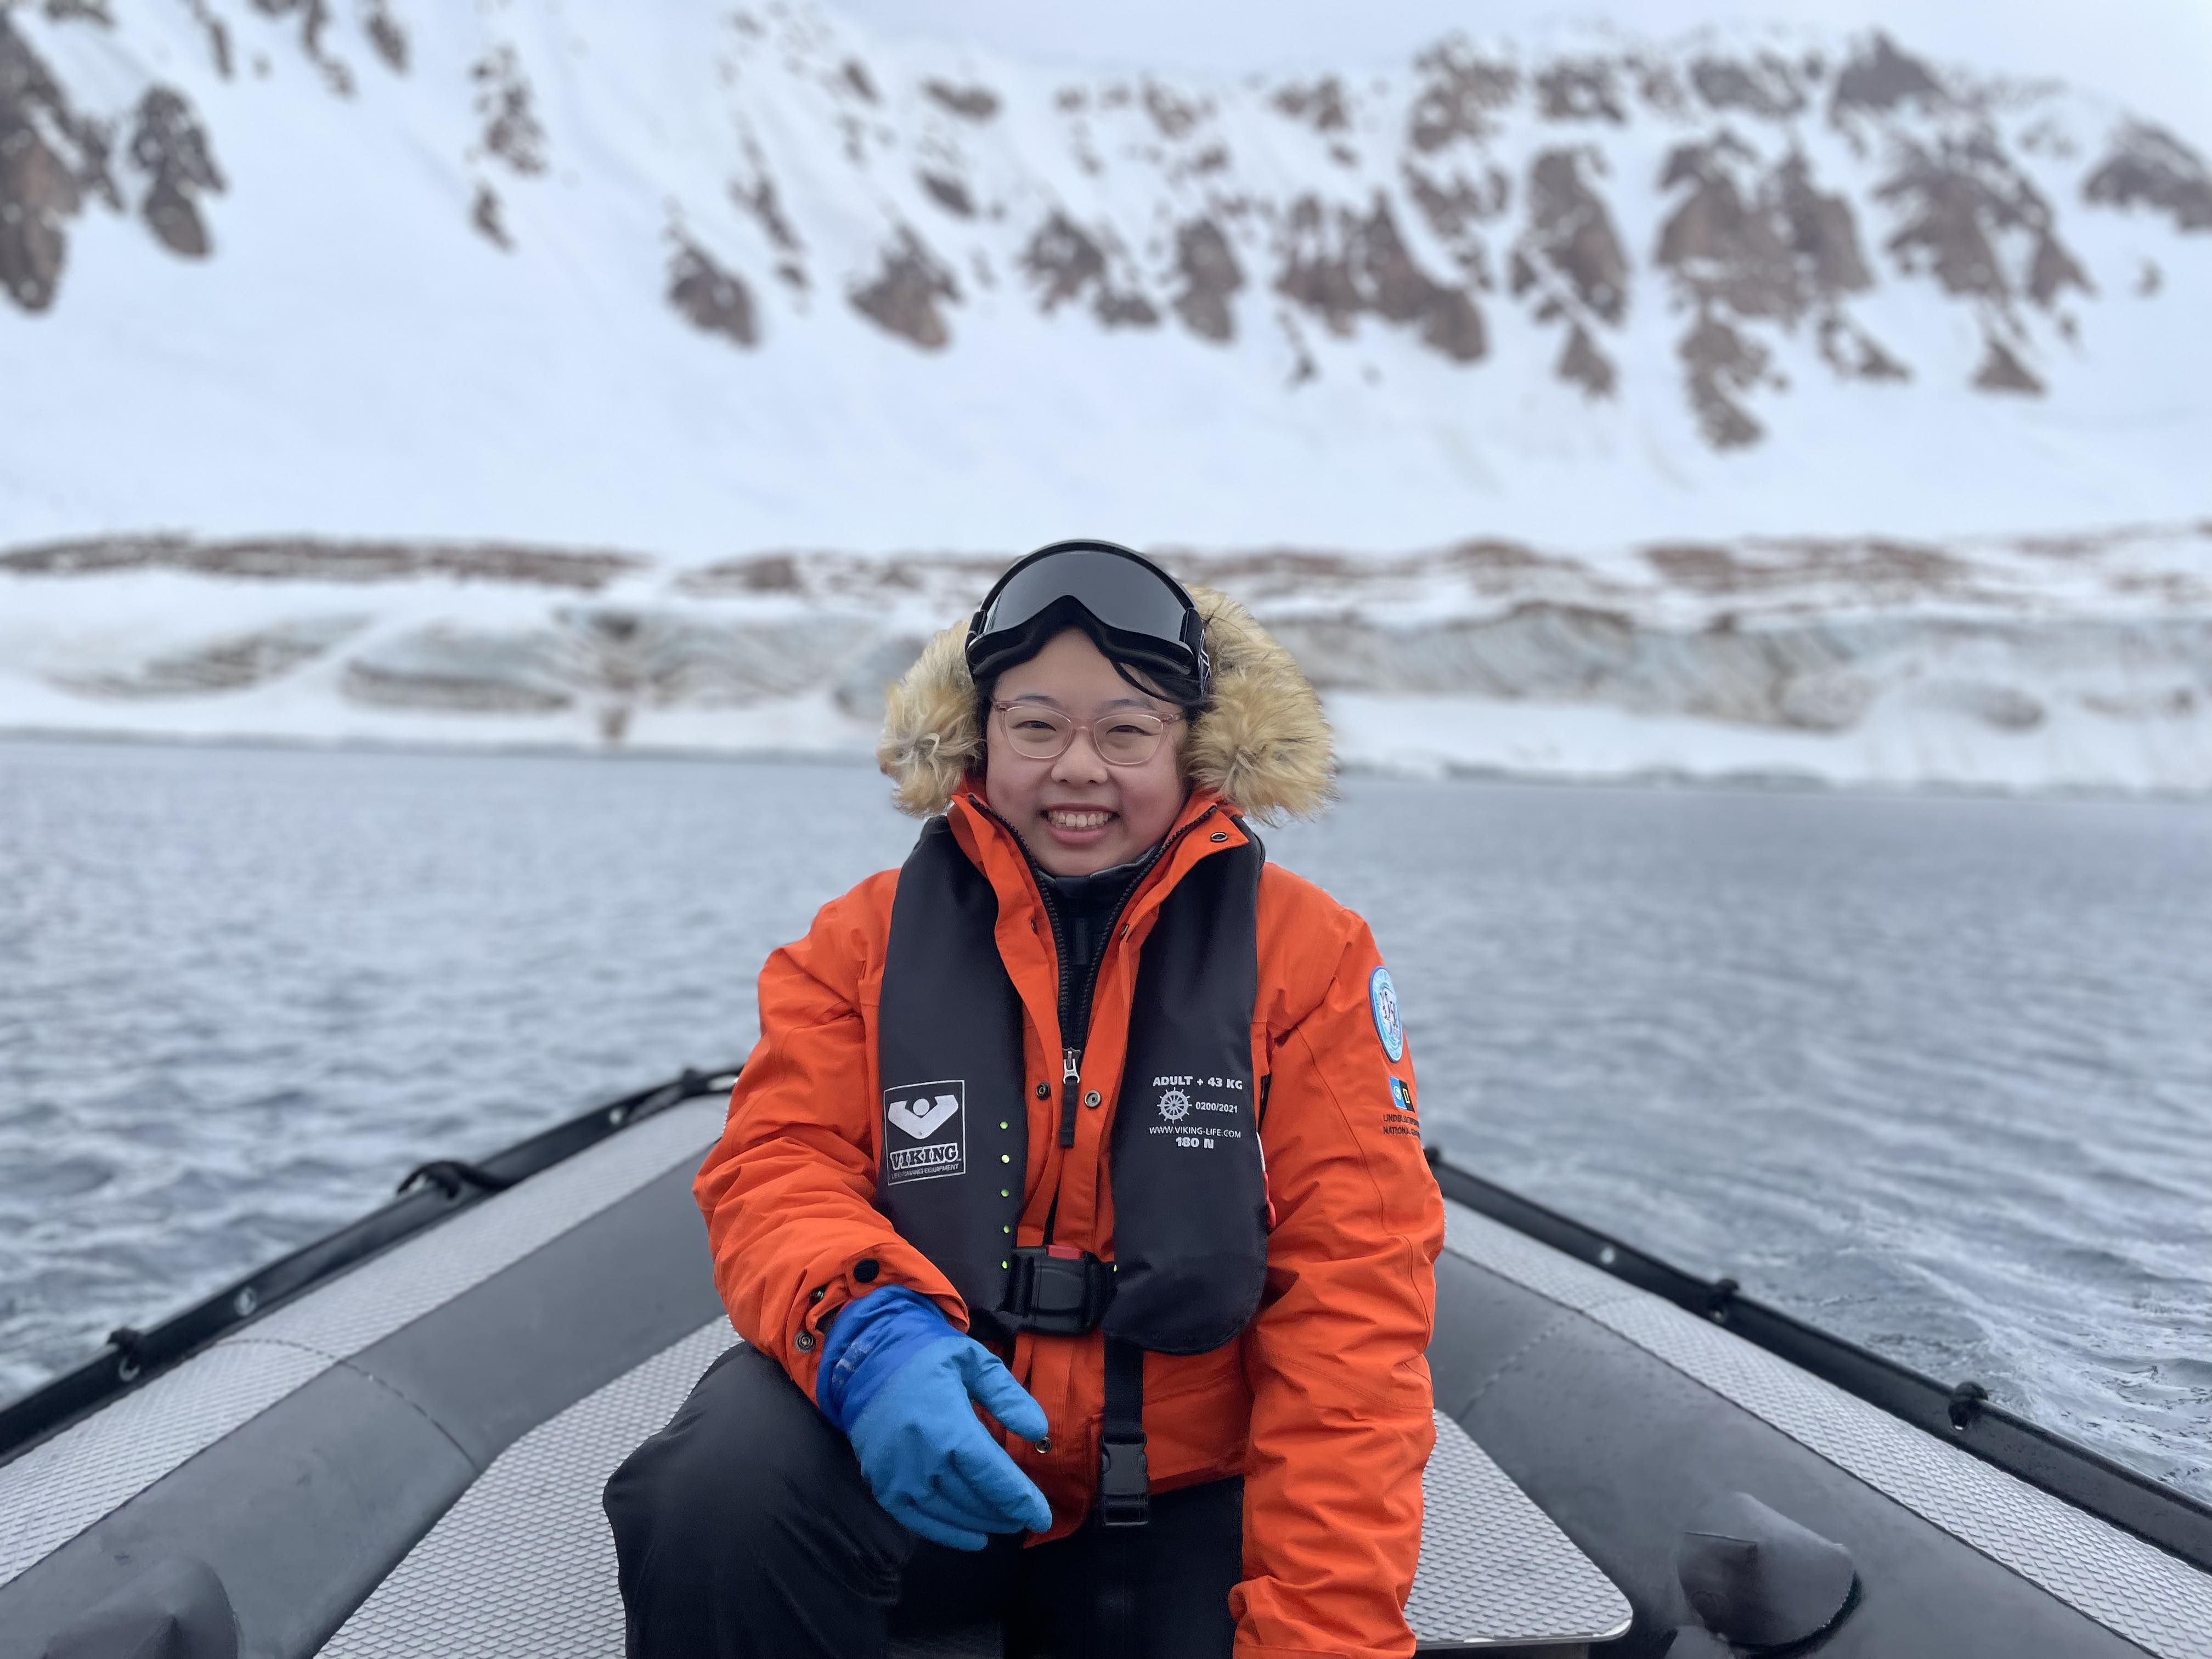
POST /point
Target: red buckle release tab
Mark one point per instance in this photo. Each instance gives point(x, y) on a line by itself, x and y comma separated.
point(1064, 1252)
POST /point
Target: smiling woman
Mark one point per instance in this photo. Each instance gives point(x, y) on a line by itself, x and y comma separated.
point(910, 1220)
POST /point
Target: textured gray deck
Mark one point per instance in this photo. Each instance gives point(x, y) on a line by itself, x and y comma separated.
point(523, 1564)
point(54, 1491)
point(2131, 1587)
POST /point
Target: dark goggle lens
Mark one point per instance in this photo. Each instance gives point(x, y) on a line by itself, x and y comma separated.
point(1119, 591)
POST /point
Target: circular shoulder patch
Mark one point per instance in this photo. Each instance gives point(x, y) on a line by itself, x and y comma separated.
point(1383, 997)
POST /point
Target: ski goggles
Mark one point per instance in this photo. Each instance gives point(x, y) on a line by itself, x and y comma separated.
point(1132, 607)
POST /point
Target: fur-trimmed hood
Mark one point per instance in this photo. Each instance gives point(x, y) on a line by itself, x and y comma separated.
point(1261, 742)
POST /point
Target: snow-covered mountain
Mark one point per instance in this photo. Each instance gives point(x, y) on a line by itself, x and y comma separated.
point(1754, 401)
point(705, 278)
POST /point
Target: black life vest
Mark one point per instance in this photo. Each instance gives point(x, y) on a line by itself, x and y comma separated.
point(1189, 1187)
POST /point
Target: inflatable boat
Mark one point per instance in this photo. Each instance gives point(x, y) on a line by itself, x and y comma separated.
point(391, 1442)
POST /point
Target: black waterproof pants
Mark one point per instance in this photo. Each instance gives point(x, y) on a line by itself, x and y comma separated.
point(744, 1528)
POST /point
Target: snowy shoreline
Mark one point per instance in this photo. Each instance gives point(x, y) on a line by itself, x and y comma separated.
point(2022, 665)
point(1748, 781)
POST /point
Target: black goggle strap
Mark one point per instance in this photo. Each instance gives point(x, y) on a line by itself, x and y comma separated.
point(1088, 593)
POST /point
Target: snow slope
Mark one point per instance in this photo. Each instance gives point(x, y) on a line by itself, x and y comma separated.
point(704, 281)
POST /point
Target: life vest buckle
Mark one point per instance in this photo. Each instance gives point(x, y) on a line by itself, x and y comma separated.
point(1125, 1484)
point(1055, 1290)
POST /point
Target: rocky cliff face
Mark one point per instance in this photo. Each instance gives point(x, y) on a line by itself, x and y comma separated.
point(1598, 246)
point(1727, 195)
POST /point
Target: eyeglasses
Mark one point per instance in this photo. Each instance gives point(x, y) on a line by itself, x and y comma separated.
point(1128, 737)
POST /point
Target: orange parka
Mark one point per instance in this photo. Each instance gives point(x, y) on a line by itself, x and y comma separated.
point(1323, 1403)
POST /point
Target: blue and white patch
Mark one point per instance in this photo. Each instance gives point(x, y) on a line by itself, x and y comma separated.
point(1401, 1094)
point(1383, 998)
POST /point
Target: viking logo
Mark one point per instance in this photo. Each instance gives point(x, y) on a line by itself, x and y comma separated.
point(931, 1119)
point(1175, 1105)
point(919, 1117)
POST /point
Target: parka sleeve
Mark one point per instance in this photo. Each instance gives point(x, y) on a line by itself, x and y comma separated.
point(789, 1190)
point(1342, 1425)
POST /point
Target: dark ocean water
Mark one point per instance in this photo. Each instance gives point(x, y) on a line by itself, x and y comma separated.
point(1935, 1072)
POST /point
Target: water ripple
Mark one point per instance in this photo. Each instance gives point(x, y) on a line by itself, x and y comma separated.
point(1934, 1073)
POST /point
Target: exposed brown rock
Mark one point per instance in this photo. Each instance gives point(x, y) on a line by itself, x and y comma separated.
point(1570, 231)
point(857, 78)
point(312, 559)
point(2002, 371)
point(969, 103)
point(2053, 269)
point(1211, 278)
point(1766, 85)
point(1881, 569)
point(1175, 116)
point(1454, 209)
point(760, 200)
point(315, 17)
point(218, 35)
point(904, 298)
point(1579, 89)
point(1719, 361)
point(49, 157)
point(712, 299)
point(948, 193)
point(80, 11)
point(1659, 86)
point(2148, 166)
point(1856, 355)
point(1458, 91)
point(1956, 197)
point(1881, 77)
point(386, 34)
point(490, 223)
point(510, 130)
point(1321, 104)
point(169, 146)
point(1581, 364)
point(1064, 260)
point(1772, 252)
point(1340, 265)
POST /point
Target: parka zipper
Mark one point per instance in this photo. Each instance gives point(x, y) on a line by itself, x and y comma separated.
point(1071, 1077)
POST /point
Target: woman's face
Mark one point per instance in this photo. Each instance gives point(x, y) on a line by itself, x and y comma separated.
point(1076, 814)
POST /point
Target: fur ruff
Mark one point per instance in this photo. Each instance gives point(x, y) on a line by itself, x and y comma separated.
point(1261, 742)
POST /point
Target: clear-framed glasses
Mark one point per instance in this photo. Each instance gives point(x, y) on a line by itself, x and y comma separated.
point(1128, 737)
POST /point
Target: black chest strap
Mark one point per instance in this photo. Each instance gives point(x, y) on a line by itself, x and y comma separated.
point(1124, 1502)
point(1124, 1479)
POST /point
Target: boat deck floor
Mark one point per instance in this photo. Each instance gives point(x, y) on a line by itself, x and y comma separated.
point(524, 1565)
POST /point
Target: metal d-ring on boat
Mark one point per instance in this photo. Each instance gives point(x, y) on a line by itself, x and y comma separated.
point(391, 1442)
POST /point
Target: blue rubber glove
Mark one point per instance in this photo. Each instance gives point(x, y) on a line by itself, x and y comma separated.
point(898, 1380)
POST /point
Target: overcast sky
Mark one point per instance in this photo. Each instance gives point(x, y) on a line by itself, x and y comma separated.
point(2155, 55)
